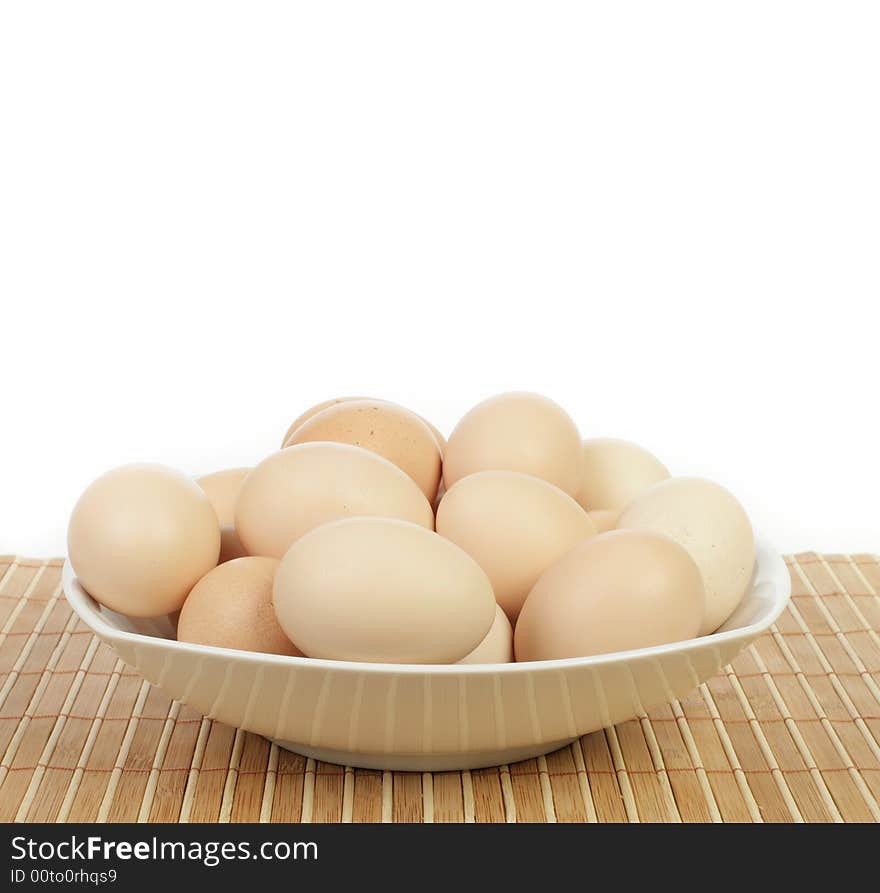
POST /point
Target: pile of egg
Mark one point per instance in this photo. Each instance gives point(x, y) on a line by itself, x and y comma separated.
point(369, 537)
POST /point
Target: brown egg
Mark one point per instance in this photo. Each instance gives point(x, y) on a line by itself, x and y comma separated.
point(441, 440)
point(390, 431)
point(604, 519)
point(231, 607)
point(497, 647)
point(222, 489)
point(441, 492)
point(383, 591)
point(318, 407)
point(618, 591)
point(711, 524)
point(140, 537)
point(516, 432)
point(305, 485)
point(313, 411)
point(515, 526)
point(615, 472)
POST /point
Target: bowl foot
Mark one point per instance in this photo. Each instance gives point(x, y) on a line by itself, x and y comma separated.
point(423, 762)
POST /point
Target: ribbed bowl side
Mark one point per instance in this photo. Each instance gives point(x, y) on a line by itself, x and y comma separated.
point(424, 713)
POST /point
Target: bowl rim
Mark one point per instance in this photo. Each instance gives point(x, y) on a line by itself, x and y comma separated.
point(769, 567)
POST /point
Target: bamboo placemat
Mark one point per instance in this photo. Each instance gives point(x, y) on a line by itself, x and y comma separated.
point(789, 733)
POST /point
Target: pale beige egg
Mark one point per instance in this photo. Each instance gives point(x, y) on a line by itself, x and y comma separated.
point(497, 646)
point(618, 591)
point(604, 519)
point(222, 489)
point(710, 523)
point(302, 486)
point(615, 472)
point(382, 591)
point(318, 407)
point(386, 429)
point(516, 432)
point(514, 525)
point(140, 537)
point(231, 607)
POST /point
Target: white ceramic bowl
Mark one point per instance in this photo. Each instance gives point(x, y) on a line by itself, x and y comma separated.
point(415, 717)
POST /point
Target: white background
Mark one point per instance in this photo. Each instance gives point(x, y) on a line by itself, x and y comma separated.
point(666, 216)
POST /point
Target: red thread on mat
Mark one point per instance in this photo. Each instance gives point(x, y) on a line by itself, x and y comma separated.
point(824, 674)
point(659, 719)
point(518, 773)
point(50, 672)
point(88, 632)
point(43, 632)
point(842, 632)
point(803, 562)
point(651, 719)
point(29, 599)
point(177, 722)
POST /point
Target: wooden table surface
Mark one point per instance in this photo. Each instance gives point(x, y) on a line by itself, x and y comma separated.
point(790, 732)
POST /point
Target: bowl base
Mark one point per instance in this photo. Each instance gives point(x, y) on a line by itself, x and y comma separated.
point(423, 762)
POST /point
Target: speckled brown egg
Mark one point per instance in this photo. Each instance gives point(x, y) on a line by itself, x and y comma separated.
point(300, 420)
point(140, 537)
point(222, 489)
point(386, 429)
point(231, 607)
point(313, 411)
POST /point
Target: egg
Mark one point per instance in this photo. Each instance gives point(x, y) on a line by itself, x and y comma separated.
point(305, 485)
point(711, 524)
point(514, 525)
point(313, 411)
point(140, 537)
point(497, 646)
point(618, 591)
point(300, 420)
point(604, 519)
point(383, 428)
point(615, 472)
point(222, 487)
point(516, 432)
point(438, 436)
point(231, 607)
point(382, 590)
